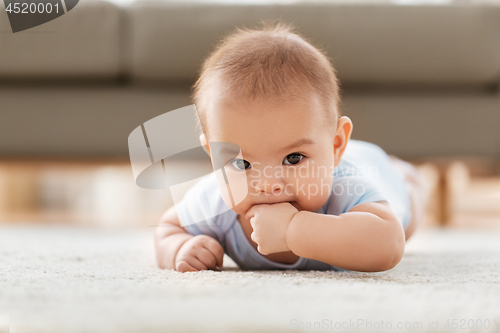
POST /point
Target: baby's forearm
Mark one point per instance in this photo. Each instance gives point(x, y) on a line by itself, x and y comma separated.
point(359, 241)
point(168, 241)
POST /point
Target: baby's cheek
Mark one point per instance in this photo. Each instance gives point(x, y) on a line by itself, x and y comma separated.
point(313, 193)
point(242, 206)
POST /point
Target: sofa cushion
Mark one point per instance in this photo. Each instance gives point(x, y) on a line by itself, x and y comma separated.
point(85, 42)
point(78, 121)
point(368, 44)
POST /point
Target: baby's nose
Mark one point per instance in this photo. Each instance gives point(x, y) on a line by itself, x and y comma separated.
point(269, 186)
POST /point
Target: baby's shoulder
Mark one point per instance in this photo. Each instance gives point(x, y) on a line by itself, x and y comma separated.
point(356, 180)
point(346, 168)
point(362, 159)
point(203, 205)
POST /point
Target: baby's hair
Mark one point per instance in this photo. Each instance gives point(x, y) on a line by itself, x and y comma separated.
point(272, 63)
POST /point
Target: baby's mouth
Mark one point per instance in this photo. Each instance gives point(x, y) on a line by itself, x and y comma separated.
point(294, 204)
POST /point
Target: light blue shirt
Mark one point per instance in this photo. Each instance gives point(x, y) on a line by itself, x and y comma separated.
point(365, 174)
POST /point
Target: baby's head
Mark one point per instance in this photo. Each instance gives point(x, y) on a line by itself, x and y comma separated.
point(276, 96)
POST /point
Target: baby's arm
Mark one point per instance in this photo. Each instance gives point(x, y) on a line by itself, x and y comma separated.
point(177, 249)
point(367, 238)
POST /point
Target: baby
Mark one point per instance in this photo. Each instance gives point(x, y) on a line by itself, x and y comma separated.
point(316, 199)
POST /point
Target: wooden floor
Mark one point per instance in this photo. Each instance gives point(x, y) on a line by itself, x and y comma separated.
point(101, 192)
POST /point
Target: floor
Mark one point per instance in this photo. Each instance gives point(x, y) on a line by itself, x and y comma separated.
point(57, 278)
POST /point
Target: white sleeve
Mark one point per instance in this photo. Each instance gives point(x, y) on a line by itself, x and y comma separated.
point(195, 212)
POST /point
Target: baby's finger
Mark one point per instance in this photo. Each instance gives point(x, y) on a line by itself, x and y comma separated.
point(207, 258)
point(254, 210)
point(216, 249)
point(196, 263)
point(251, 212)
point(183, 266)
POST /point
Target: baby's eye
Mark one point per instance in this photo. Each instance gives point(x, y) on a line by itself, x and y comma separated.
point(240, 164)
point(293, 159)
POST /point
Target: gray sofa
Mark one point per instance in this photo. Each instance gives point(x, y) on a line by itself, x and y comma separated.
point(418, 80)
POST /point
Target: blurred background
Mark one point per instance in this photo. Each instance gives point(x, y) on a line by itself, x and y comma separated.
point(418, 78)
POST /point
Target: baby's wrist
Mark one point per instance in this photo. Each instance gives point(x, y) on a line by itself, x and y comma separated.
point(294, 229)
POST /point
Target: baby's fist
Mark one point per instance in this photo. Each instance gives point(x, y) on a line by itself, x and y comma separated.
point(270, 225)
point(199, 253)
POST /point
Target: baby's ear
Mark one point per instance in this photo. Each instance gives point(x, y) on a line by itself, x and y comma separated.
point(204, 144)
point(344, 130)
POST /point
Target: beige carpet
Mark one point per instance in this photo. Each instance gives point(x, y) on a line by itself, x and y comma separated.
point(74, 279)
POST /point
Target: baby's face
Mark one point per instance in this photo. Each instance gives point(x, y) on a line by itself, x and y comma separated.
point(287, 150)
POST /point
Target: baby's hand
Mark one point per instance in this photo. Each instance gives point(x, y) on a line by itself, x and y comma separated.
point(199, 253)
point(270, 225)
